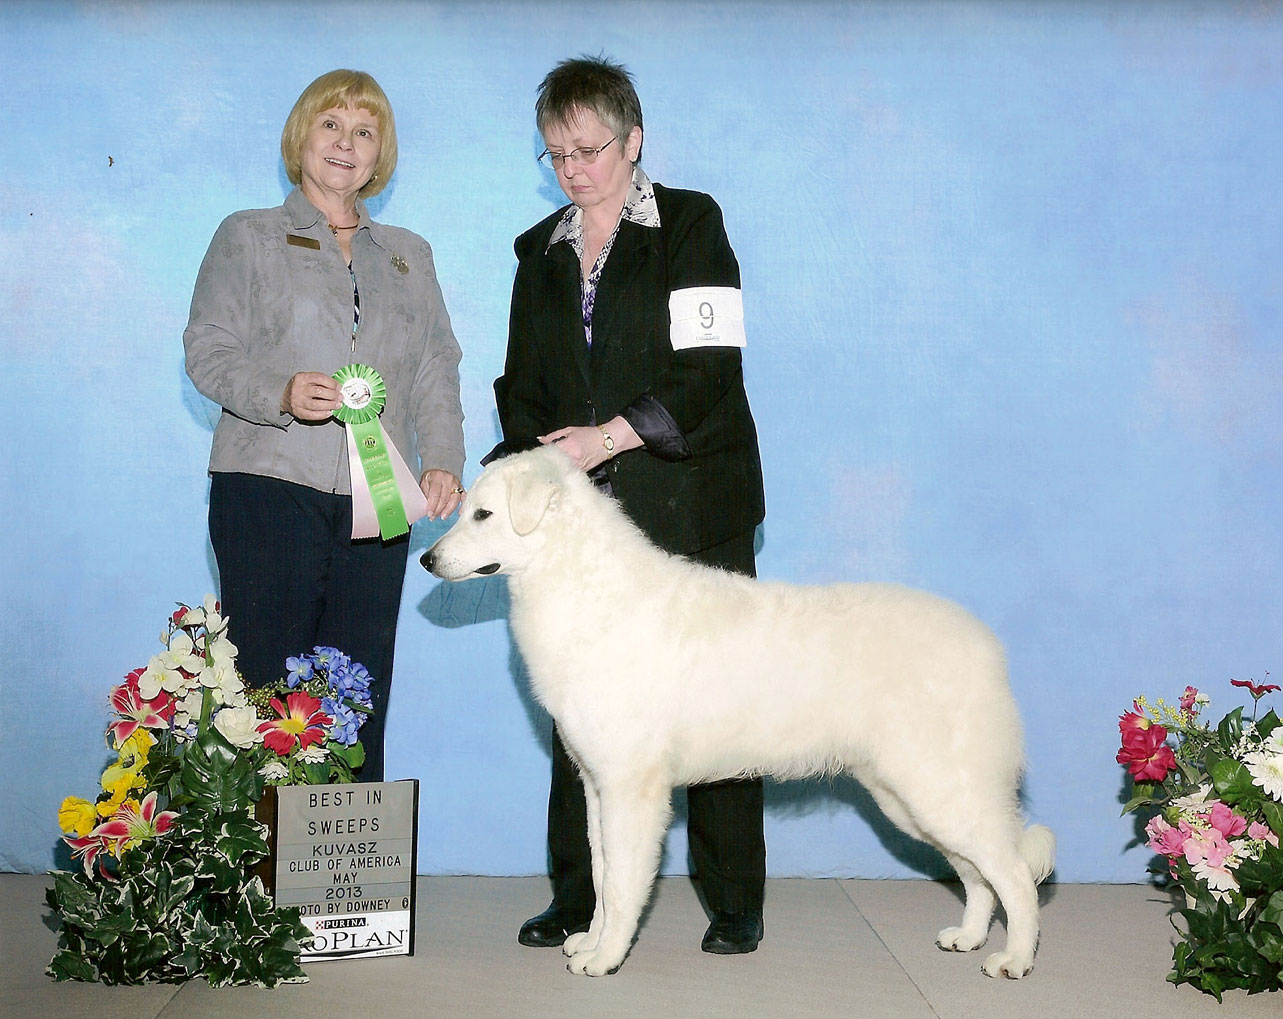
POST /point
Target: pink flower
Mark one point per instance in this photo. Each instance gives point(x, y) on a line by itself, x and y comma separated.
point(1145, 752)
point(89, 848)
point(1212, 859)
point(1189, 700)
point(1207, 846)
point(1164, 839)
point(131, 824)
point(1262, 833)
point(134, 710)
point(301, 723)
point(1226, 821)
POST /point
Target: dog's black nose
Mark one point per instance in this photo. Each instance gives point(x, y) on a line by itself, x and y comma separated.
point(426, 560)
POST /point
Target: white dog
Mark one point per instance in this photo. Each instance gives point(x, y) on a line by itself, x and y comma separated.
point(661, 672)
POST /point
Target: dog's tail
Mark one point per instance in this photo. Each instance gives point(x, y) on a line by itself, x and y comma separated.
point(1038, 847)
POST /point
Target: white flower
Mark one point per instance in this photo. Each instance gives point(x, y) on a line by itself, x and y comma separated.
point(1219, 879)
point(215, 624)
point(187, 710)
point(239, 726)
point(1266, 767)
point(274, 771)
point(1194, 800)
point(220, 649)
point(314, 754)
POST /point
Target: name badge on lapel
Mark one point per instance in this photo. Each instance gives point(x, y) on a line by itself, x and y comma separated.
point(300, 241)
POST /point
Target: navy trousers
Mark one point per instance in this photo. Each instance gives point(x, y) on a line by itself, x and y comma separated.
point(724, 820)
point(291, 578)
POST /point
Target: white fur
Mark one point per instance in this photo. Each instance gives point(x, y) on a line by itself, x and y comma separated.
point(661, 672)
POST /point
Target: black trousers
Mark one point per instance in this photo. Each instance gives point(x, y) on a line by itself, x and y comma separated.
point(291, 578)
point(724, 819)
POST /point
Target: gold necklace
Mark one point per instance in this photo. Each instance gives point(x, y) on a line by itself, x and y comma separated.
point(335, 229)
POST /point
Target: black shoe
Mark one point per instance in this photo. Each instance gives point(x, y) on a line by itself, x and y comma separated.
point(733, 932)
point(551, 927)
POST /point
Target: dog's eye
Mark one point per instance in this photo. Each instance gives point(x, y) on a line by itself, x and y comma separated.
point(481, 514)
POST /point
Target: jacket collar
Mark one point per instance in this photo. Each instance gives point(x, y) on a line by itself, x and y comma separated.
point(639, 207)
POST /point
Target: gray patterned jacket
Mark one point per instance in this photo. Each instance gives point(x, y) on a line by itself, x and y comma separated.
point(274, 297)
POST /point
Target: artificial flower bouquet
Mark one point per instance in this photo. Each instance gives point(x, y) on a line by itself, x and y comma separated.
point(1215, 800)
point(169, 847)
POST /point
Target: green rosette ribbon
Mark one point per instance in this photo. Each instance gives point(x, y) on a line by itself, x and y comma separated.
point(364, 396)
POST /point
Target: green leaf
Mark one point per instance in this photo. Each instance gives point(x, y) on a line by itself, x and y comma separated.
point(1230, 730)
point(1267, 725)
point(1273, 815)
point(1231, 780)
point(217, 777)
point(1262, 877)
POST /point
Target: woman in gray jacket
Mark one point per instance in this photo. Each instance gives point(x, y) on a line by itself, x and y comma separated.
point(285, 298)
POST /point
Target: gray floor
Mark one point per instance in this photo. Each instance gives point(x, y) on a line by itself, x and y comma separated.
point(832, 948)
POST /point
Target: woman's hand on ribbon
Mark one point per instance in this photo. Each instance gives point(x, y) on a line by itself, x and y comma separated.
point(443, 491)
point(311, 396)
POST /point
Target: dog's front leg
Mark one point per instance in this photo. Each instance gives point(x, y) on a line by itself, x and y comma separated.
point(632, 816)
point(586, 941)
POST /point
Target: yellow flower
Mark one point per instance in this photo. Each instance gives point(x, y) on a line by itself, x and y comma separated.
point(137, 747)
point(109, 806)
point(77, 817)
point(118, 779)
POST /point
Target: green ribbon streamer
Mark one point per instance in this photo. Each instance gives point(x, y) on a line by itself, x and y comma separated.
point(365, 387)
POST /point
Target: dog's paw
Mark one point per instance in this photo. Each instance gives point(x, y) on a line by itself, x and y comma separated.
point(959, 939)
point(1007, 964)
point(577, 943)
point(593, 964)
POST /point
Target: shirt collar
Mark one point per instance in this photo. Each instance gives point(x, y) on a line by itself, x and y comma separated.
point(303, 215)
point(640, 207)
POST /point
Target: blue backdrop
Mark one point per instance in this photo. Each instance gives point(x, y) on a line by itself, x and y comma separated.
point(1011, 276)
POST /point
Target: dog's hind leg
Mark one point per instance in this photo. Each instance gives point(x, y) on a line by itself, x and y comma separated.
point(983, 848)
point(977, 912)
point(632, 820)
point(1001, 865)
point(978, 896)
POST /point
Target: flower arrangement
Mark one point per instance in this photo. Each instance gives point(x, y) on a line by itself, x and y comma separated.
point(167, 849)
point(1214, 800)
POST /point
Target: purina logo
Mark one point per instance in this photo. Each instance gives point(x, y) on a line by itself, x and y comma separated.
point(370, 442)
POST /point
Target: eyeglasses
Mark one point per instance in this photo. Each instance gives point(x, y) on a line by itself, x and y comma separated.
point(583, 156)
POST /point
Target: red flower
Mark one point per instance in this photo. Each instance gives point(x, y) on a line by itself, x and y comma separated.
point(1133, 725)
point(1146, 753)
point(1257, 690)
point(301, 723)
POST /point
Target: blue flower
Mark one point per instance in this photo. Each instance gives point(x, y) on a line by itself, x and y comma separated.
point(301, 670)
point(330, 659)
point(343, 728)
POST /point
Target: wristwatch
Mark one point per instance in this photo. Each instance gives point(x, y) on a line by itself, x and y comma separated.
point(606, 440)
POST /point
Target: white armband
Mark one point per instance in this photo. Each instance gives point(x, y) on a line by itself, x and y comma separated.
point(706, 317)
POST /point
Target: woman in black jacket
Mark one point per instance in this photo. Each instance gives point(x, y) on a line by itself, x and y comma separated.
point(624, 347)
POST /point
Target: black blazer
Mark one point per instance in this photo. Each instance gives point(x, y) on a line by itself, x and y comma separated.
point(698, 480)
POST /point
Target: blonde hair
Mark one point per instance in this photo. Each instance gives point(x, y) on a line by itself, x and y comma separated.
point(340, 88)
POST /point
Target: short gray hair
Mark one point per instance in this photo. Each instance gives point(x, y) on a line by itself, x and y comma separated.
point(596, 84)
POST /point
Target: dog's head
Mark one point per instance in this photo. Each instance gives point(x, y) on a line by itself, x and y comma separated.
point(498, 530)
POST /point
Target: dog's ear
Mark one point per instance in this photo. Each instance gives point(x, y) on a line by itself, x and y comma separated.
point(529, 497)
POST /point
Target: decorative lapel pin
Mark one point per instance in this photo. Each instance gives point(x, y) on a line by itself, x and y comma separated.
point(400, 264)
